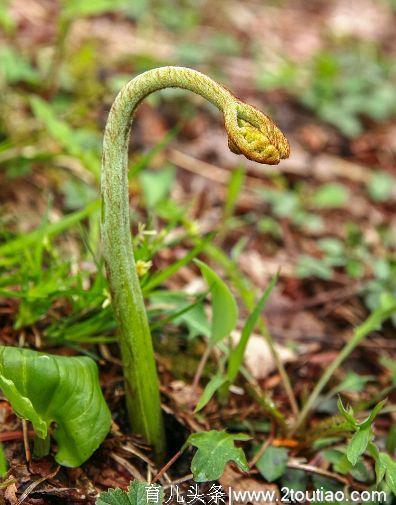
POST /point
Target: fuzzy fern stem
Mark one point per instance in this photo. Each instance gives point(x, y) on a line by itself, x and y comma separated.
point(249, 132)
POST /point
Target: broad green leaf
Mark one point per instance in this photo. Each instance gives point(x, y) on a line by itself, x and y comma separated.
point(211, 387)
point(272, 463)
point(236, 355)
point(390, 474)
point(48, 389)
point(215, 450)
point(224, 307)
point(342, 465)
point(362, 472)
point(380, 467)
point(295, 479)
point(338, 459)
point(358, 444)
point(139, 493)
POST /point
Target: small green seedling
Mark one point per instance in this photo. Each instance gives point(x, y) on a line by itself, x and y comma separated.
point(362, 442)
point(47, 389)
point(215, 450)
point(250, 133)
point(363, 431)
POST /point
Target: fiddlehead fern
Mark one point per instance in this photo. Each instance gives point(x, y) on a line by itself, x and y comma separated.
point(250, 133)
point(253, 134)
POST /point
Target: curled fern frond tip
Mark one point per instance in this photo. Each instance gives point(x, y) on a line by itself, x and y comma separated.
point(253, 134)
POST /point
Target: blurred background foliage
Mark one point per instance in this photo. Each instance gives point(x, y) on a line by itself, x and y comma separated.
point(331, 85)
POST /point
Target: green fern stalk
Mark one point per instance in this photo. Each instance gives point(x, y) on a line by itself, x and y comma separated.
point(249, 132)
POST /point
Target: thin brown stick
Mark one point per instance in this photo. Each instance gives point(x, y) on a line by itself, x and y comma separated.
point(6, 436)
point(279, 365)
point(261, 451)
point(127, 465)
point(26, 441)
point(201, 366)
point(319, 471)
point(166, 466)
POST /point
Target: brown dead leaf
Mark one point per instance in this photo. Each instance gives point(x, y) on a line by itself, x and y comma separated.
point(10, 494)
point(258, 358)
point(184, 394)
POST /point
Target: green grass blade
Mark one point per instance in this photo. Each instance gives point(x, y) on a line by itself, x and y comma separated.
point(236, 355)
